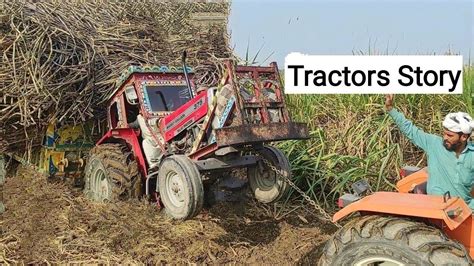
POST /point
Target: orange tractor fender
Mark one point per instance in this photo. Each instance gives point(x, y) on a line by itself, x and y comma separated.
point(452, 215)
point(453, 211)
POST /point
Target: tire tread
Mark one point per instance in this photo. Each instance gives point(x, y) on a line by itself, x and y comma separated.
point(121, 167)
point(433, 246)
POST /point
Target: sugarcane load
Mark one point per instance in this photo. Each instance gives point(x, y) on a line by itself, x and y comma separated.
point(60, 60)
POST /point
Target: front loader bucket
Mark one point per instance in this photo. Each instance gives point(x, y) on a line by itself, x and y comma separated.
point(249, 109)
point(261, 112)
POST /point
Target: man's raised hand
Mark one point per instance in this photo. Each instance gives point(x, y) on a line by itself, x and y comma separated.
point(389, 102)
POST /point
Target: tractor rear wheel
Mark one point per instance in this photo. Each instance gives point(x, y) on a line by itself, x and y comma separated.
point(379, 240)
point(267, 185)
point(111, 174)
point(180, 187)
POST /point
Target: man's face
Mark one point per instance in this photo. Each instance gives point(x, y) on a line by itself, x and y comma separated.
point(452, 140)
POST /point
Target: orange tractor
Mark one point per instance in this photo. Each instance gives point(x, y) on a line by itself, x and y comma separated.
point(402, 228)
point(196, 135)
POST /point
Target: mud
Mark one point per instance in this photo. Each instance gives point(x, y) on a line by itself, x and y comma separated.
point(47, 222)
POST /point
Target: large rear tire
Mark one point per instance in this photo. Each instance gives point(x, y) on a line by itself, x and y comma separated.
point(378, 240)
point(111, 174)
point(180, 186)
point(266, 185)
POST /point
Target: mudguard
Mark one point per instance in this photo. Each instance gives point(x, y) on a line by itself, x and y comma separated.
point(130, 136)
point(413, 205)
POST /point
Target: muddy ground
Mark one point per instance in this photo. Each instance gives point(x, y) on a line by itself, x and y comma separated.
point(47, 222)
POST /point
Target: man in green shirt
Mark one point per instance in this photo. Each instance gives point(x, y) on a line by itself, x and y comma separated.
point(450, 157)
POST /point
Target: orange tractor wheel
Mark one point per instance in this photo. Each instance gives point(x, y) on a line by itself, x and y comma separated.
point(391, 240)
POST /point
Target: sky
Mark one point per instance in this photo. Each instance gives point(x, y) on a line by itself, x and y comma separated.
point(343, 27)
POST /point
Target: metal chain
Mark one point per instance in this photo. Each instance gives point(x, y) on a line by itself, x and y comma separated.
point(324, 214)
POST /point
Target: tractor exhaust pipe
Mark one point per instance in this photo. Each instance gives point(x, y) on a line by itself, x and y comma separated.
point(186, 74)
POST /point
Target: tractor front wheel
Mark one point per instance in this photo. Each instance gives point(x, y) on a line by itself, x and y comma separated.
point(180, 187)
point(111, 174)
point(379, 240)
point(266, 184)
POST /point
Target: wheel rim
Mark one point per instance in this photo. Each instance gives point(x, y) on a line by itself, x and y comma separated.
point(267, 178)
point(101, 187)
point(378, 261)
point(175, 189)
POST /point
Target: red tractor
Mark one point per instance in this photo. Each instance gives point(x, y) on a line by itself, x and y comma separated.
point(188, 137)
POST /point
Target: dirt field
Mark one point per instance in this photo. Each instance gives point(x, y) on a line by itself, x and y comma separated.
point(49, 223)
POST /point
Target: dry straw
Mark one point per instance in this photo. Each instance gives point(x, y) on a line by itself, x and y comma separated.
point(59, 59)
